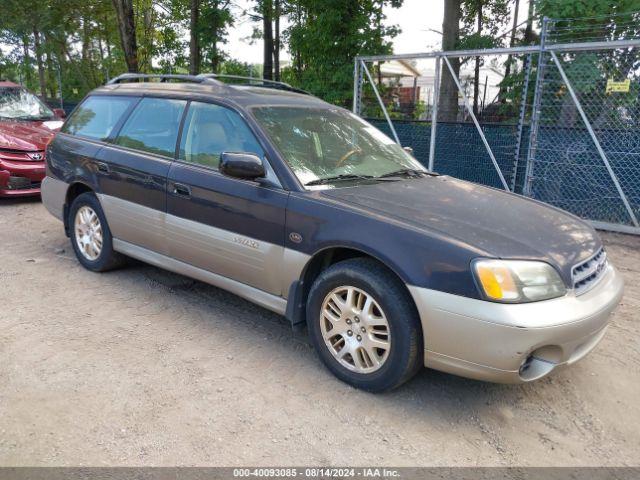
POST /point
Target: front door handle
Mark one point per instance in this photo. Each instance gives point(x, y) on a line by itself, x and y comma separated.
point(103, 167)
point(182, 190)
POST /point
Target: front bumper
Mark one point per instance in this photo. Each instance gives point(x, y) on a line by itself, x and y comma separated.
point(513, 343)
point(20, 178)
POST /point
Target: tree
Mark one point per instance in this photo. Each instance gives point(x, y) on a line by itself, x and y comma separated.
point(208, 23)
point(482, 21)
point(325, 37)
point(194, 40)
point(448, 100)
point(528, 32)
point(277, 12)
point(512, 43)
point(267, 39)
point(127, 30)
point(268, 13)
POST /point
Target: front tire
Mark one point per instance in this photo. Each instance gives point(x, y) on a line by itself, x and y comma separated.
point(364, 325)
point(90, 235)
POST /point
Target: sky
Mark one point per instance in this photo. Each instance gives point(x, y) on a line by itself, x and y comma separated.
point(416, 18)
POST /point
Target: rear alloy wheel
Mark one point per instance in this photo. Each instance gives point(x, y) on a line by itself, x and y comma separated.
point(355, 329)
point(90, 235)
point(364, 325)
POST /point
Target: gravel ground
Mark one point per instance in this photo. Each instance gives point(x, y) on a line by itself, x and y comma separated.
point(144, 367)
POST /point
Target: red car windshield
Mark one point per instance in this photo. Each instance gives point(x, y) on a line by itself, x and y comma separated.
point(19, 104)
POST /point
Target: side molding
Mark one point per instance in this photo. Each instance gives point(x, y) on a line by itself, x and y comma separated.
point(271, 302)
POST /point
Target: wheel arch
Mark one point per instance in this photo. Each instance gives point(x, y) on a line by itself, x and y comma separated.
point(320, 261)
point(75, 189)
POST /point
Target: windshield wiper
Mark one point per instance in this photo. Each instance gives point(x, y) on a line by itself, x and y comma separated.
point(41, 118)
point(338, 178)
point(407, 172)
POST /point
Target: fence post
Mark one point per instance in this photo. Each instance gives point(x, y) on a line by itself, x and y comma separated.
point(357, 87)
point(477, 124)
point(521, 120)
point(434, 114)
point(382, 106)
point(535, 113)
point(593, 136)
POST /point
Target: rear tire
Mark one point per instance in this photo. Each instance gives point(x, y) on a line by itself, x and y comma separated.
point(364, 325)
point(90, 235)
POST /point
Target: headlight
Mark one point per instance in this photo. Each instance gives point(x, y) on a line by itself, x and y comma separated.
point(518, 281)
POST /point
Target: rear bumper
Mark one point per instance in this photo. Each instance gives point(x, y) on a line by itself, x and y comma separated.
point(20, 179)
point(54, 194)
point(513, 343)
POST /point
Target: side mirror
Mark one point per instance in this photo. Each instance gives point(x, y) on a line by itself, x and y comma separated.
point(247, 166)
point(59, 112)
point(409, 150)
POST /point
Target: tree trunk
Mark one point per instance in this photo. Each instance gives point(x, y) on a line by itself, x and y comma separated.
point(528, 32)
point(194, 40)
point(215, 57)
point(86, 39)
point(297, 54)
point(26, 61)
point(448, 100)
point(276, 41)
point(127, 30)
point(51, 70)
point(148, 19)
point(267, 33)
point(38, 48)
point(512, 42)
point(476, 76)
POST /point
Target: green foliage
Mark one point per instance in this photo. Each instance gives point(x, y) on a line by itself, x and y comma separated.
point(585, 8)
point(325, 37)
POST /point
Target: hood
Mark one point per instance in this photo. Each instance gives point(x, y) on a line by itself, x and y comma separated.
point(501, 224)
point(27, 135)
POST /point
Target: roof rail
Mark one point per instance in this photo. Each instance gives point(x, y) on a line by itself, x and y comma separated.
point(265, 83)
point(210, 78)
point(126, 77)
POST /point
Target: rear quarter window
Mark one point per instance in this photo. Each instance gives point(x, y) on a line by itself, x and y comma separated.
point(96, 116)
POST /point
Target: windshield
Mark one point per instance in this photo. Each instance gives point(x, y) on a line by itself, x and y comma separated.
point(320, 143)
point(18, 103)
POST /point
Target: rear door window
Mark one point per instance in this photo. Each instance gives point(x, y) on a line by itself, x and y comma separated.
point(153, 126)
point(96, 116)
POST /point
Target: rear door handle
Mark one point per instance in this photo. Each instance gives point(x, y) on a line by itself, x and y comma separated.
point(103, 167)
point(182, 190)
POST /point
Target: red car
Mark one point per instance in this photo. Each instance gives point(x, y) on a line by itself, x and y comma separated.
point(27, 125)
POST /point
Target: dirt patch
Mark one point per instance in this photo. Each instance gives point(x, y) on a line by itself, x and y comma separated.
point(144, 367)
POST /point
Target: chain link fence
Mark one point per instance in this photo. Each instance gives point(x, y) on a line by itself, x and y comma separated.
point(558, 122)
point(586, 157)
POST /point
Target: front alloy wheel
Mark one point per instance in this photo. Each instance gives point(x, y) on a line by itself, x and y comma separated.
point(364, 325)
point(355, 329)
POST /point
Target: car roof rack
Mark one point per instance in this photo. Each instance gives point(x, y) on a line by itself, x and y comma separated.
point(210, 78)
point(251, 80)
point(129, 77)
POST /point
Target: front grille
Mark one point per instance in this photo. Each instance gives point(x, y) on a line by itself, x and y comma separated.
point(587, 274)
point(21, 183)
point(21, 155)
